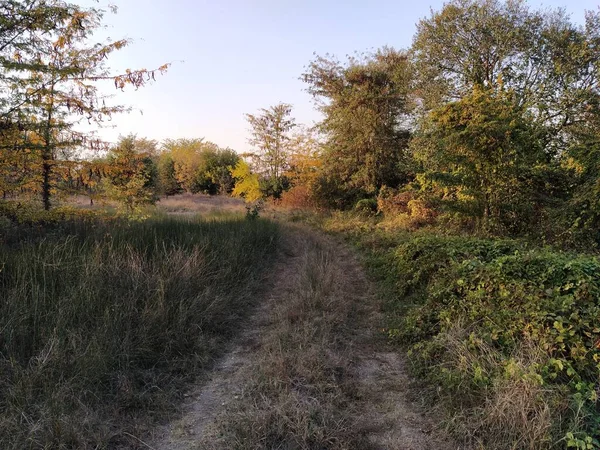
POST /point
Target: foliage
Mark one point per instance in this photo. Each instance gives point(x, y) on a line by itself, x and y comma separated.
point(253, 209)
point(218, 171)
point(583, 159)
point(478, 155)
point(26, 215)
point(167, 179)
point(274, 187)
point(247, 183)
point(102, 323)
point(363, 102)
point(51, 72)
point(540, 55)
point(549, 66)
point(199, 166)
point(305, 166)
point(366, 206)
point(133, 175)
point(485, 319)
point(270, 136)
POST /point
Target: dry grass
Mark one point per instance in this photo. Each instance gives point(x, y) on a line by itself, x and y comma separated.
point(201, 204)
point(317, 376)
point(297, 393)
point(102, 324)
point(517, 411)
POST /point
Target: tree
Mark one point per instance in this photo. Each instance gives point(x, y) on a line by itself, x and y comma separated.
point(270, 131)
point(246, 182)
point(132, 178)
point(218, 165)
point(583, 159)
point(548, 62)
point(365, 103)
point(478, 155)
point(305, 167)
point(53, 79)
point(305, 159)
point(167, 179)
point(24, 24)
point(201, 166)
point(186, 160)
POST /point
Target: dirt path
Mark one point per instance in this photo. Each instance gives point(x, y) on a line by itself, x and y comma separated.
point(308, 370)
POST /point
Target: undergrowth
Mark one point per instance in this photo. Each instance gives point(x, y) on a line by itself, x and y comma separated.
point(101, 323)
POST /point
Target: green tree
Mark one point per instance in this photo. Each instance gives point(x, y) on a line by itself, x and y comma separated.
point(132, 178)
point(53, 83)
point(270, 136)
point(218, 170)
point(365, 103)
point(479, 154)
point(24, 24)
point(167, 179)
point(201, 166)
point(551, 68)
point(583, 159)
point(548, 62)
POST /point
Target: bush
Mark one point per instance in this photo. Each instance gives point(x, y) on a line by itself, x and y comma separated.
point(391, 202)
point(253, 209)
point(366, 206)
point(23, 213)
point(505, 332)
point(299, 196)
point(274, 187)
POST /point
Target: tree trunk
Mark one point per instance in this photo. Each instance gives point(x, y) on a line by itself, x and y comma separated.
point(46, 170)
point(47, 156)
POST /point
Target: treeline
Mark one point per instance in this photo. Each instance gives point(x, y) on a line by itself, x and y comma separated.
point(135, 171)
point(490, 122)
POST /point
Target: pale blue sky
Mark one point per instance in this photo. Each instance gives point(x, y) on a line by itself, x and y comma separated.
point(232, 57)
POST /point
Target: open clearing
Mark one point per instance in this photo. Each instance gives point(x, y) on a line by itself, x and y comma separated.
point(309, 370)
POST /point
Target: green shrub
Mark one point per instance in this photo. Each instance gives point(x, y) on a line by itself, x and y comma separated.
point(487, 314)
point(23, 213)
point(366, 206)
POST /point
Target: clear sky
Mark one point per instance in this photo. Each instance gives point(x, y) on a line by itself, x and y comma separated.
point(232, 57)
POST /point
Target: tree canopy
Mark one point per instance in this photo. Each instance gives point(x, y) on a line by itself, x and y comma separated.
point(364, 102)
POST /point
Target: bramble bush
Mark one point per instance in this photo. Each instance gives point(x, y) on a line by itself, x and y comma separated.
point(510, 334)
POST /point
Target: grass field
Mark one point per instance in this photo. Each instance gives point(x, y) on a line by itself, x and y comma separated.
point(103, 322)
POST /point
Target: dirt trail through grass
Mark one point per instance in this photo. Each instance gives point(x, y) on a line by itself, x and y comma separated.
point(309, 370)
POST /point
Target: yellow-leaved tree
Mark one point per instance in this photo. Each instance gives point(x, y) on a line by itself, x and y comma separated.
point(246, 183)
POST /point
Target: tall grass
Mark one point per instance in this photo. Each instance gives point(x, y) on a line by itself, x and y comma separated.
point(101, 324)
